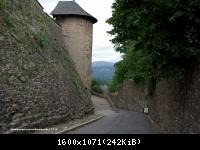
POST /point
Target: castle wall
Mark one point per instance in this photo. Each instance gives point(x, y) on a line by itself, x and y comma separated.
point(39, 86)
point(174, 106)
point(78, 40)
point(130, 96)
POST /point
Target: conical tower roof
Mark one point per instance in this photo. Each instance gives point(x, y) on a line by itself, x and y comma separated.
point(71, 8)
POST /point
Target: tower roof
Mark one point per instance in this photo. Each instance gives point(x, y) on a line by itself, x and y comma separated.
point(71, 8)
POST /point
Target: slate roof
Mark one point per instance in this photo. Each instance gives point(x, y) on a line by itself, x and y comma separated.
point(71, 8)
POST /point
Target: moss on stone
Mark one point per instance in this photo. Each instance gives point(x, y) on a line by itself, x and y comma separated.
point(41, 38)
point(8, 20)
point(2, 4)
point(29, 14)
point(17, 4)
point(42, 76)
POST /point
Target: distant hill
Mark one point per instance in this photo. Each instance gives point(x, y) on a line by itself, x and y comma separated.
point(102, 70)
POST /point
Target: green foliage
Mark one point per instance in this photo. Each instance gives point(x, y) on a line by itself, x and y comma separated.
point(96, 86)
point(101, 81)
point(41, 21)
point(17, 4)
point(113, 86)
point(159, 39)
point(120, 70)
point(41, 38)
point(8, 20)
point(29, 14)
point(2, 3)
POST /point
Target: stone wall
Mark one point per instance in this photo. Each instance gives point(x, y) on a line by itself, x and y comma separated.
point(174, 107)
point(78, 33)
point(39, 85)
point(130, 96)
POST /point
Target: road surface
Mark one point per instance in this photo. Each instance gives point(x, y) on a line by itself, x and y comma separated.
point(115, 121)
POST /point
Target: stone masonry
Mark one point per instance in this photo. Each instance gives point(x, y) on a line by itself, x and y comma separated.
point(39, 85)
point(78, 33)
point(77, 28)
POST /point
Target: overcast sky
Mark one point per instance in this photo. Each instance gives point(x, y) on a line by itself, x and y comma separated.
point(103, 49)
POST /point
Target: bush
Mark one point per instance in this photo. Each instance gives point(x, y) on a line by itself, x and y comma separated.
point(120, 71)
point(96, 87)
point(159, 39)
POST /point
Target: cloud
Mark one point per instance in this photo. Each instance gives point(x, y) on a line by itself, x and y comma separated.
point(106, 54)
point(101, 9)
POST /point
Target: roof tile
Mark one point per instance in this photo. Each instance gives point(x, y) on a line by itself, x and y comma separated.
point(65, 8)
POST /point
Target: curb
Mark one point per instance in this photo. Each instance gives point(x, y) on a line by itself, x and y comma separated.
point(79, 125)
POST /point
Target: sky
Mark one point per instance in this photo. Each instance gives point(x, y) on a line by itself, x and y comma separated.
point(103, 49)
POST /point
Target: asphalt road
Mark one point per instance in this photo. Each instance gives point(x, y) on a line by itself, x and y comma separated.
point(115, 121)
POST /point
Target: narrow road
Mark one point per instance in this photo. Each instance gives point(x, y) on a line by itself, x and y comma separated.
point(115, 121)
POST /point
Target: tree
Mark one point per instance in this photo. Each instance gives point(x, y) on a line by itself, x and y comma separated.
point(96, 86)
point(159, 39)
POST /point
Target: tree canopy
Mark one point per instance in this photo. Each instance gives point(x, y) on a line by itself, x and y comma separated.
point(159, 39)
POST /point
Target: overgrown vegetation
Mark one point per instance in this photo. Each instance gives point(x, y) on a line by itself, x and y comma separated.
point(41, 38)
point(159, 39)
point(41, 21)
point(32, 55)
point(8, 20)
point(17, 4)
point(2, 3)
point(96, 86)
point(102, 81)
point(29, 14)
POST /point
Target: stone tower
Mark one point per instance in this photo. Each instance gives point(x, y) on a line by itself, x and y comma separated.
point(77, 26)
